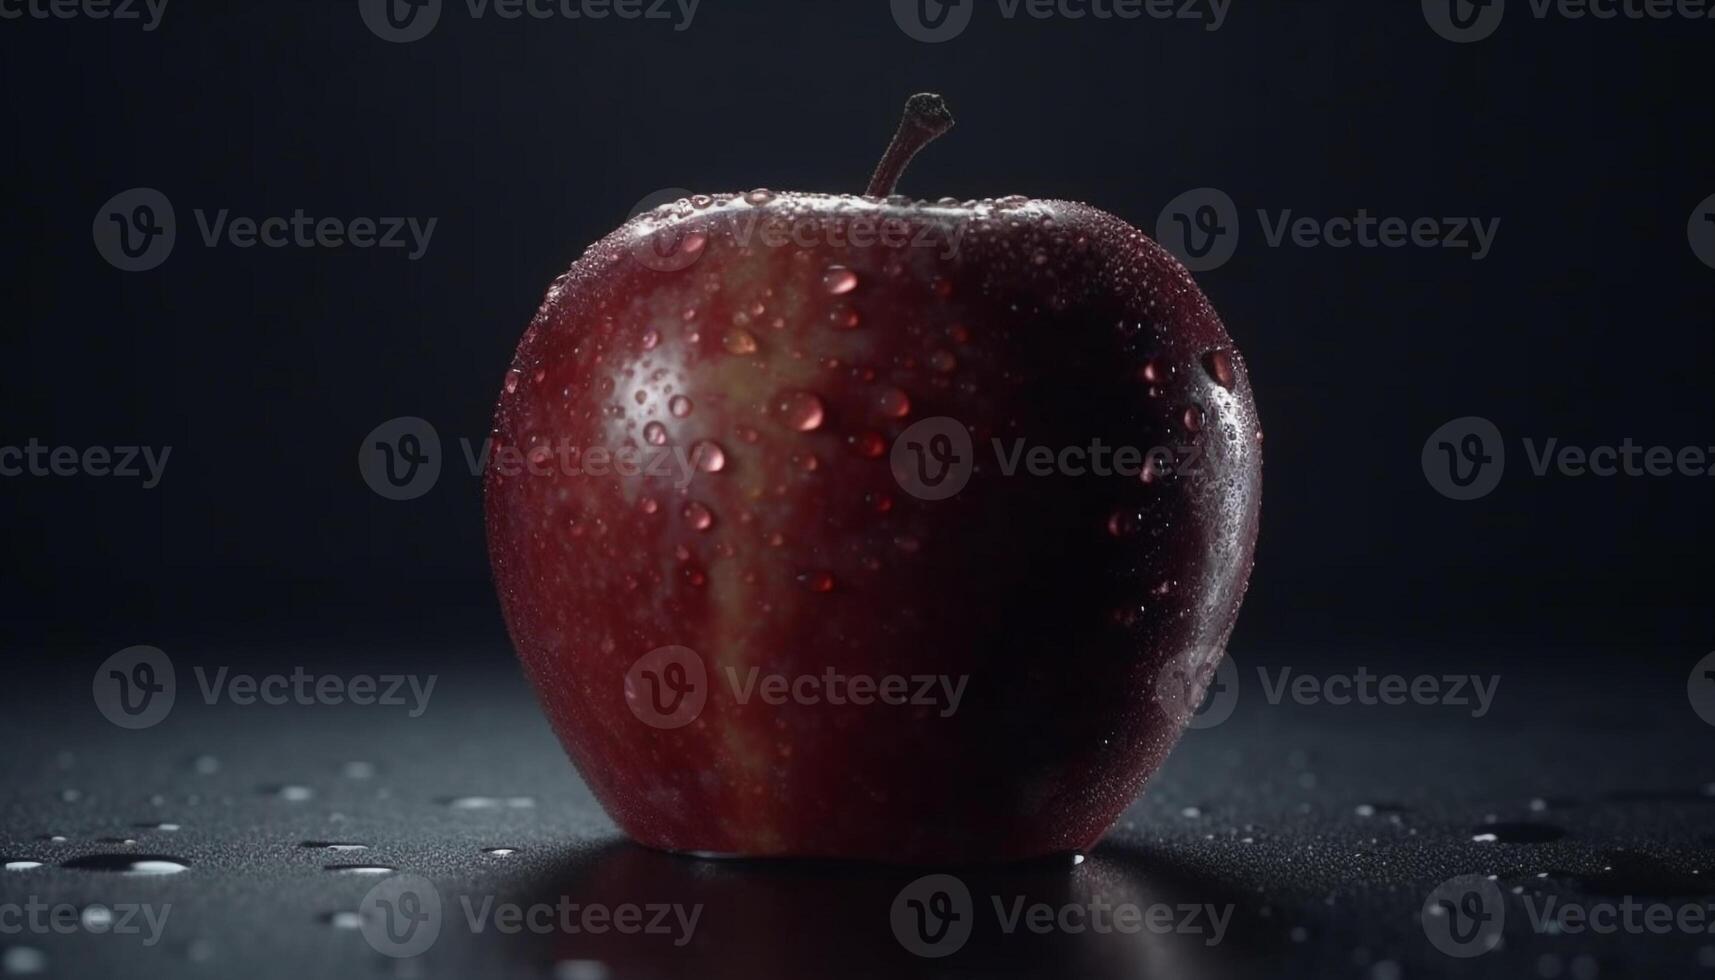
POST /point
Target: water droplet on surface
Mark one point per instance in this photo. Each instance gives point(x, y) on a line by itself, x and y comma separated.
point(136, 865)
point(680, 406)
point(291, 793)
point(360, 869)
point(655, 434)
point(1219, 364)
point(22, 865)
point(358, 770)
point(344, 920)
point(490, 802)
point(739, 341)
point(23, 961)
point(322, 845)
point(205, 765)
point(709, 456)
point(1517, 833)
point(500, 851)
point(894, 403)
point(839, 280)
point(800, 410)
point(869, 445)
point(817, 581)
point(698, 516)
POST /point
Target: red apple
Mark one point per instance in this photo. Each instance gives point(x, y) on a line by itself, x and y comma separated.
point(758, 357)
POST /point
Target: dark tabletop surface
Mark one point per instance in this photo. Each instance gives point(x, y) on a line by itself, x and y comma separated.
point(1313, 835)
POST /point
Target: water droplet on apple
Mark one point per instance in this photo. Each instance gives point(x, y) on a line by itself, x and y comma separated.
point(709, 456)
point(680, 406)
point(943, 361)
point(655, 434)
point(817, 581)
point(698, 516)
point(1219, 364)
point(512, 378)
point(1123, 523)
point(894, 403)
point(695, 576)
point(747, 434)
point(869, 445)
point(839, 280)
point(844, 318)
point(1193, 418)
point(739, 341)
point(651, 337)
point(760, 196)
point(800, 410)
point(648, 505)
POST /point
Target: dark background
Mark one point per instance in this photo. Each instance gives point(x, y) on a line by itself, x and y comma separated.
point(263, 369)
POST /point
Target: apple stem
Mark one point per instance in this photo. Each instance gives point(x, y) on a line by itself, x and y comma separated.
point(926, 117)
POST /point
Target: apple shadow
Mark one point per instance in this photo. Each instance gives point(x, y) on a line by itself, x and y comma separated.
point(1122, 912)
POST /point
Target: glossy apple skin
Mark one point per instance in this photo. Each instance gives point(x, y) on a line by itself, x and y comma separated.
point(1068, 601)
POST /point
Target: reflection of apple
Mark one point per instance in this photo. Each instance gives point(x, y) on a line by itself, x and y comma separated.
point(762, 920)
point(782, 343)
